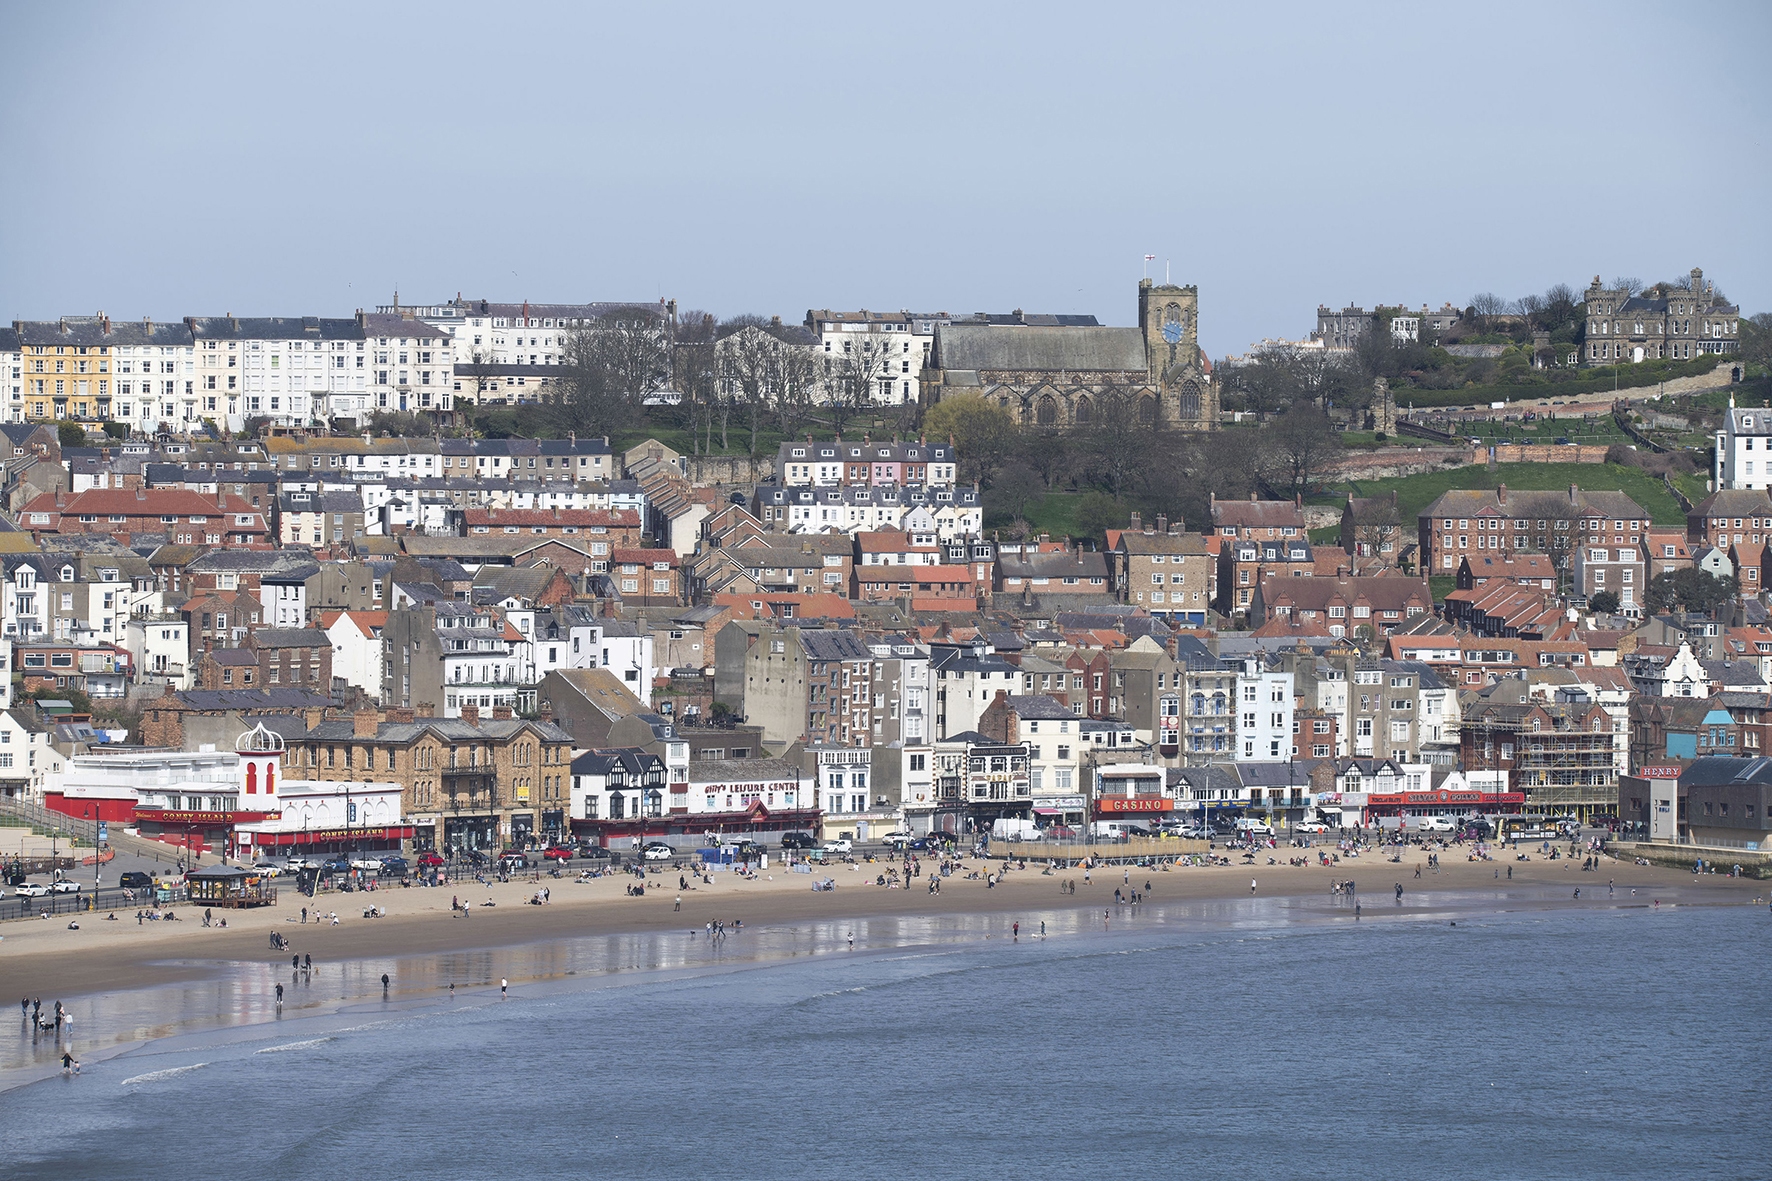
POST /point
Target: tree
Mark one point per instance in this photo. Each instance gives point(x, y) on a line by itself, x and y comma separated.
point(1629, 284)
point(71, 434)
point(1690, 589)
point(692, 373)
point(1099, 512)
point(1756, 340)
point(1117, 440)
point(401, 424)
point(1303, 443)
point(1014, 488)
point(982, 431)
point(1603, 603)
point(1378, 527)
point(743, 363)
point(854, 373)
point(1268, 383)
point(1486, 307)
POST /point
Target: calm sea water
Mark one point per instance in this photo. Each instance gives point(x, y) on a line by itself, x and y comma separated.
point(1245, 1040)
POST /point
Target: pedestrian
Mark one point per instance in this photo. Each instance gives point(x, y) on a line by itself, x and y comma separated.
point(1510, 873)
point(679, 905)
point(384, 981)
point(504, 988)
point(1042, 928)
point(308, 963)
point(295, 963)
point(304, 914)
point(24, 1005)
point(1015, 930)
point(852, 941)
point(1252, 885)
point(67, 1062)
point(452, 990)
point(279, 996)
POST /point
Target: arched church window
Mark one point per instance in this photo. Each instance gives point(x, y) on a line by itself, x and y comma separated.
point(1084, 410)
point(1046, 413)
point(1147, 411)
point(1190, 399)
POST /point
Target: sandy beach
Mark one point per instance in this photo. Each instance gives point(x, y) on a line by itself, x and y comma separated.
point(45, 958)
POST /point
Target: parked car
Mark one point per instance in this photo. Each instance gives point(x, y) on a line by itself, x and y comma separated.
point(513, 859)
point(1259, 827)
point(32, 890)
point(593, 852)
point(337, 865)
point(920, 845)
point(64, 887)
point(429, 859)
point(393, 866)
point(269, 869)
point(1061, 832)
point(557, 853)
point(657, 851)
point(367, 864)
point(297, 864)
point(797, 840)
point(1310, 826)
point(840, 845)
point(135, 879)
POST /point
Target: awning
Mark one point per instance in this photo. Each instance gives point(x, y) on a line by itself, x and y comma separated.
point(1048, 812)
point(328, 836)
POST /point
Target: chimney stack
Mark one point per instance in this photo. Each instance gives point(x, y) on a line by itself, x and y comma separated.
point(364, 723)
point(470, 714)
point(501, 713)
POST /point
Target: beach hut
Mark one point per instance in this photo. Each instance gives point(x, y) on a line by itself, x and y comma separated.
point(228, 885)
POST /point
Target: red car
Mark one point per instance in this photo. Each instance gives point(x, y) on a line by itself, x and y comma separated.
point(557, 853)
point(429, 860)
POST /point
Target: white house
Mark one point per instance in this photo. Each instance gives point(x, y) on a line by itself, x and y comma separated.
point(1264, 712)
point(1744, 448)
point(160, 643)
point(356, 648)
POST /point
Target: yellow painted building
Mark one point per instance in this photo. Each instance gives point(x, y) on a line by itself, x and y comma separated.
point(72, 367)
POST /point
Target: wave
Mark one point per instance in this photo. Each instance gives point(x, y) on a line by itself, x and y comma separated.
point(154, 1076)
point(316, 1041)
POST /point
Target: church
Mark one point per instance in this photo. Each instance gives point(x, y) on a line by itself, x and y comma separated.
point(1065, 376)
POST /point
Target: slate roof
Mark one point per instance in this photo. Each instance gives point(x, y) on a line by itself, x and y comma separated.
point(1020, 348)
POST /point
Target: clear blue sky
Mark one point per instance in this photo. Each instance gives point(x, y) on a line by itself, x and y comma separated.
point(191, 159)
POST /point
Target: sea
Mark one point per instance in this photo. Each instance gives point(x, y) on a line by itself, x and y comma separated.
point(1456, 1039)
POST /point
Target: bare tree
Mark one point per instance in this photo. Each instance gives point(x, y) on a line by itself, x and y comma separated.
point(609, 366)
point(1302, 443)
point(1629, 284)
point(692, 372)
point(1378, 527)
point(854, 373)
point(1486, 307)
point(744, 355)
point(1529, 307)
point(795, 381)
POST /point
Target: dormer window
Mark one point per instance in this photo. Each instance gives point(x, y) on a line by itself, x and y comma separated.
point(67, 574)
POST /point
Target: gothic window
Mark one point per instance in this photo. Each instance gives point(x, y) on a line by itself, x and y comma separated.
point(1147, 411)
point(1190, 400)
point(1084, 410)
point(1172, 314)
point(1046, 413)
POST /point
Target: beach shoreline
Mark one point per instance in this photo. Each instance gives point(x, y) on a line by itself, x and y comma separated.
point(44, 958)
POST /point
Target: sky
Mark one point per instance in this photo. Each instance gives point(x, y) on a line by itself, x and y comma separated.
point(182, 159)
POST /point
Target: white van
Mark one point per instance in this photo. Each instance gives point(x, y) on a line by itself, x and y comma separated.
point(1436, 824)
point(1258, 827)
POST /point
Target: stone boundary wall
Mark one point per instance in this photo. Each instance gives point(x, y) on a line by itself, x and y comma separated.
point(729, 470)
point(1753, 864)
point(1542, 453)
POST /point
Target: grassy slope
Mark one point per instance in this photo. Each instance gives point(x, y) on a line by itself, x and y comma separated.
point(1415, 493)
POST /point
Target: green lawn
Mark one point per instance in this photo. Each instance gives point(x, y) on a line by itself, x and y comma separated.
point(1415, 493)
point(1056, 513)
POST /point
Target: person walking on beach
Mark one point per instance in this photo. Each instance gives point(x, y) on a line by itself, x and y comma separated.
point(852, 941)
point(504, 988)
point(1252, 885)
point(1015, 930)
point(279, 996)
point(679, 905)
point(384, 983)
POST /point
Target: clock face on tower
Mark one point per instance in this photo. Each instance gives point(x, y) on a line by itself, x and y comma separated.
point(1172, 331)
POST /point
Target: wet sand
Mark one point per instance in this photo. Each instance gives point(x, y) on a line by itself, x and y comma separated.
point(44, 958)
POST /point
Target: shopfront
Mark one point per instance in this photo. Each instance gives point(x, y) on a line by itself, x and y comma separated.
point(471, 833)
